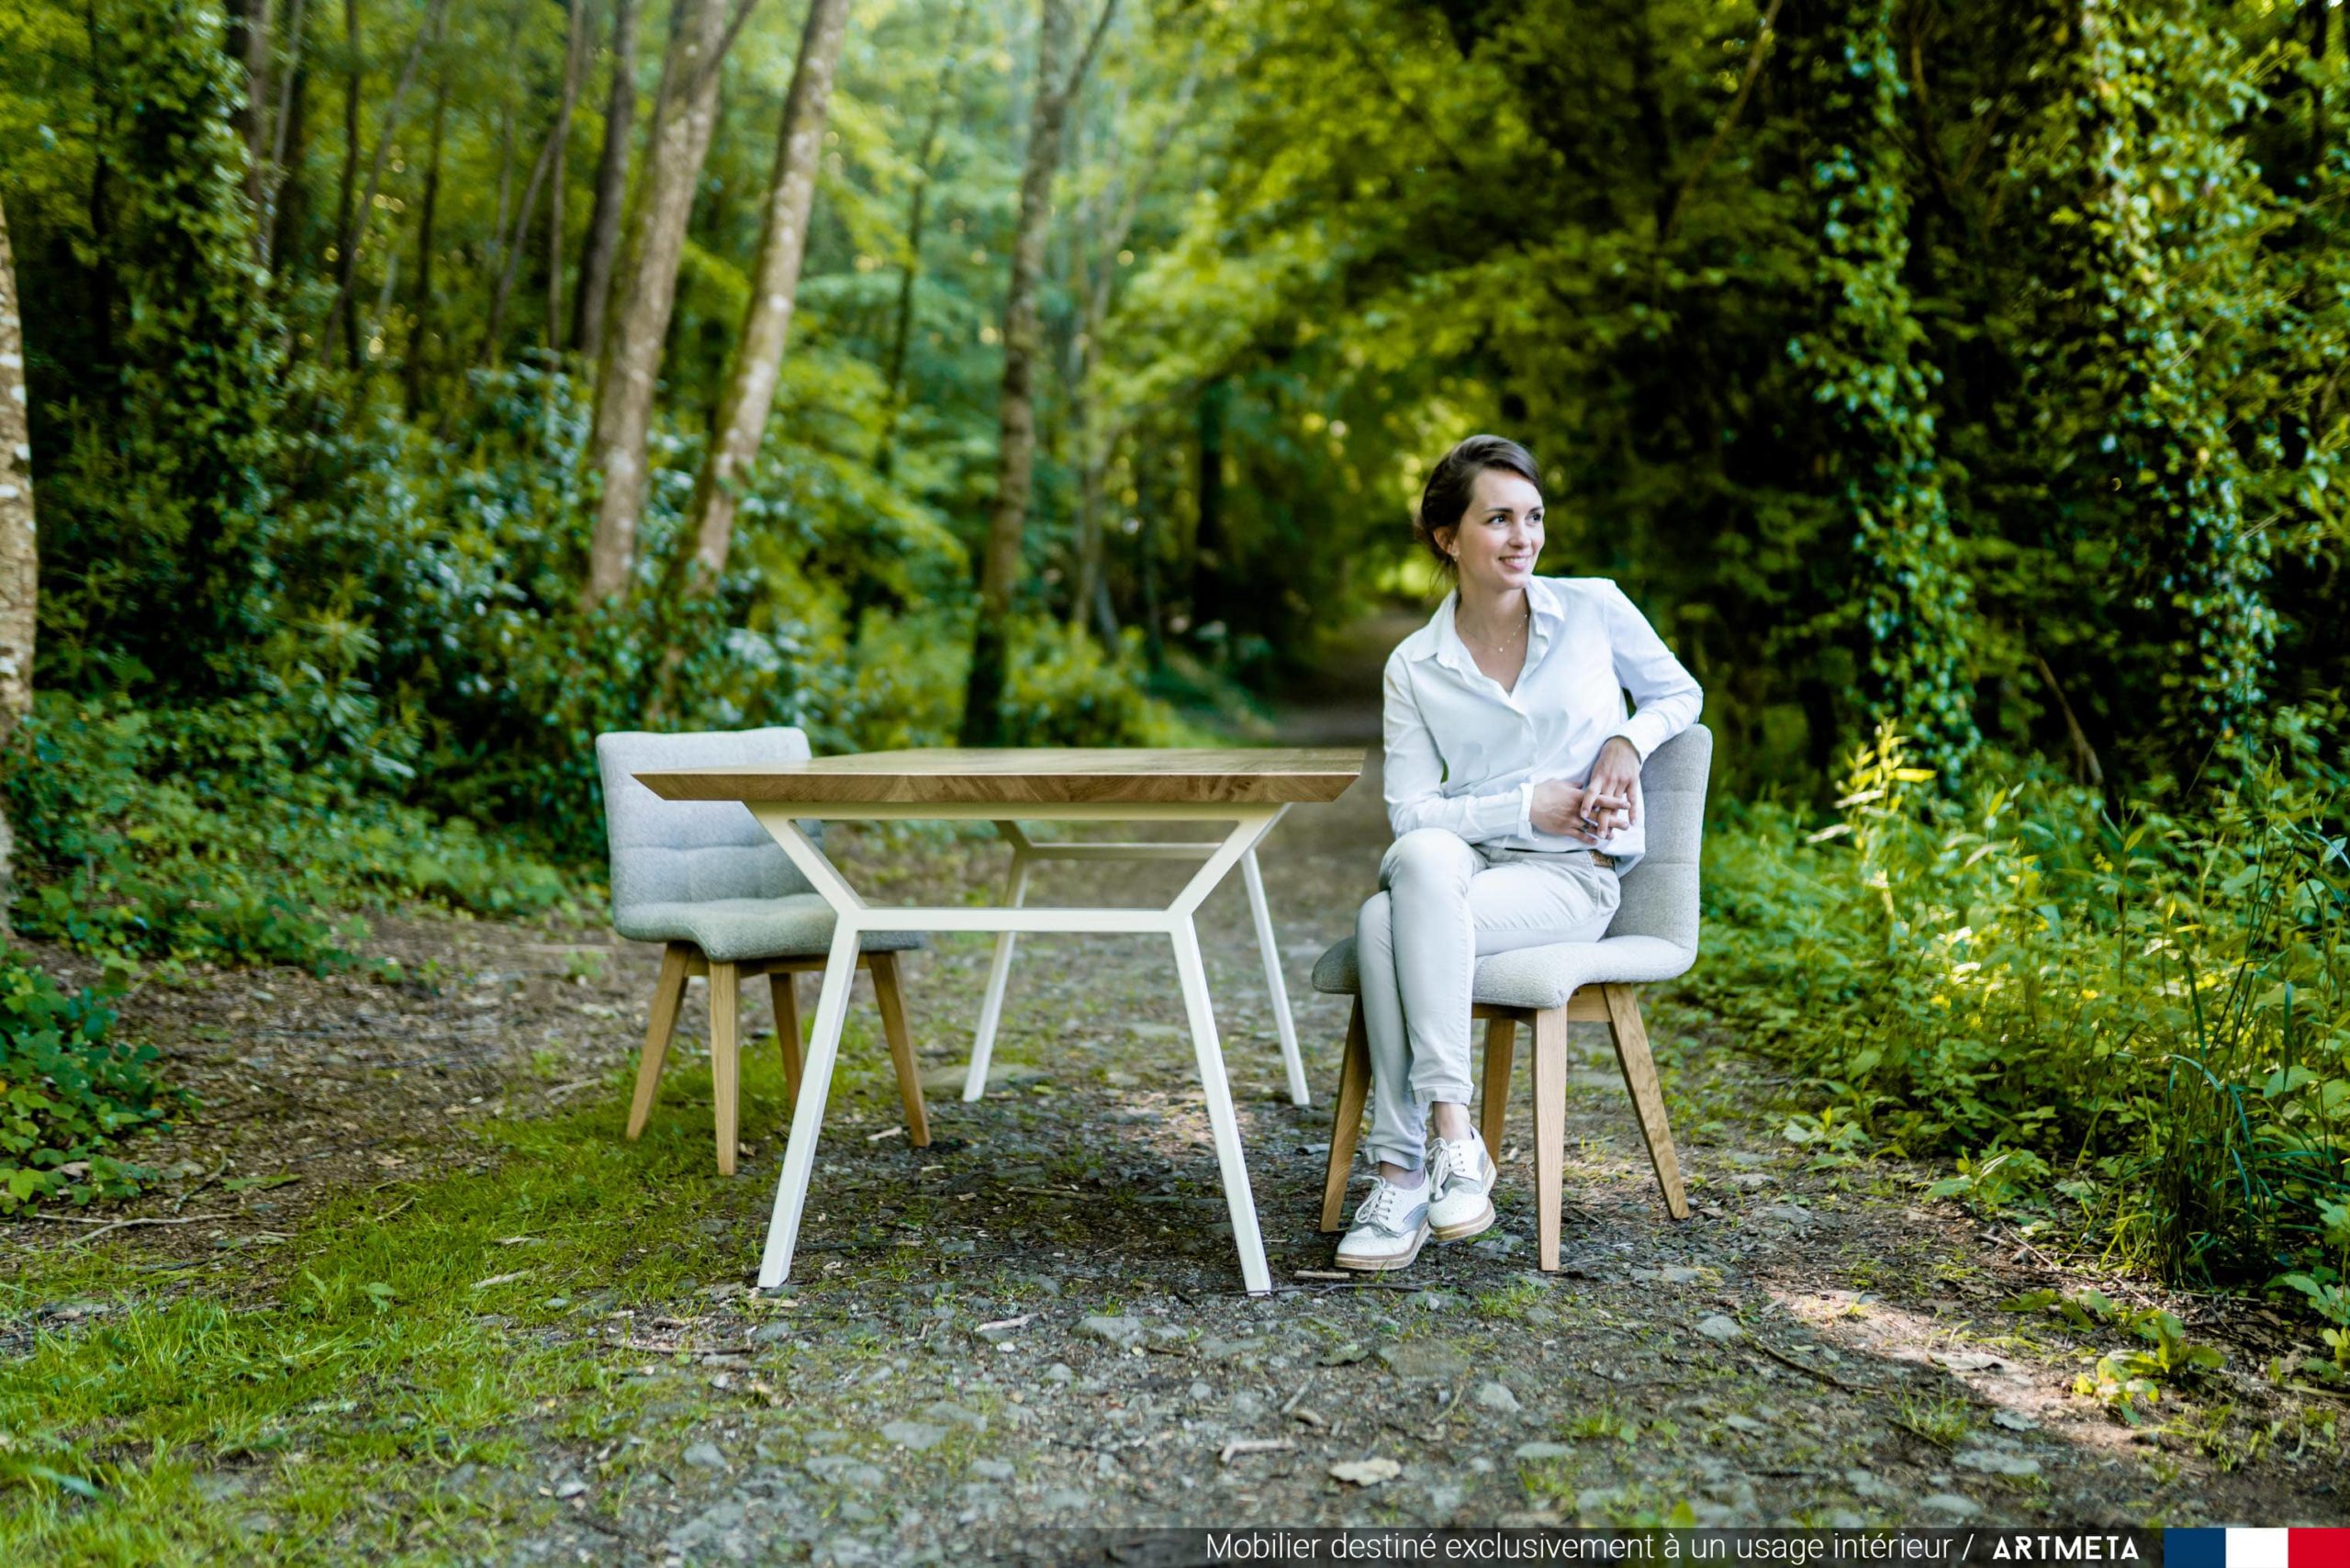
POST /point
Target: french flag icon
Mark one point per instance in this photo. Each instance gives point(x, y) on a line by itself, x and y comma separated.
point(2234, 1548)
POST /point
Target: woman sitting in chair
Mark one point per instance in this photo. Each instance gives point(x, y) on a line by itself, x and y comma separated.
point(1513, 786)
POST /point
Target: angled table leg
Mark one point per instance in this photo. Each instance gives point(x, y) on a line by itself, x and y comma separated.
point(1298, 1094)
point(1015, 894)
point(1224, 1124)
point(1250, 824)
point(823, 1048)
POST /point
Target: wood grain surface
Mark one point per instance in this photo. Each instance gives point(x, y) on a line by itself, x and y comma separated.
point(1030, 775)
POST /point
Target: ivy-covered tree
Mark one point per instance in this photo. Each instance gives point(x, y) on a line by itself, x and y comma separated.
point(2153, 299)
point(1867, 354)
point(170, 499)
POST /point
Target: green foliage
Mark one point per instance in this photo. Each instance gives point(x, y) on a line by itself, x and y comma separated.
point(2152, 323)
point(2128, 1380)
point(66, 1090)
point(167, 497)
point(1064, 690)
point(1878, 394)
point(198, 834)
point(2157, 1013)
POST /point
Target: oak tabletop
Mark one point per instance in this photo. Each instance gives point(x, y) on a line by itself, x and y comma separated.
point(1040, 775)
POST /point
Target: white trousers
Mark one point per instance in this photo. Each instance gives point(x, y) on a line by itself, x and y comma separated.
point(1443, 903)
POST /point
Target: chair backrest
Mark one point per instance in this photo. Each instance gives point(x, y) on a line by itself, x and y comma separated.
point(691, 851)
point(1660, 892)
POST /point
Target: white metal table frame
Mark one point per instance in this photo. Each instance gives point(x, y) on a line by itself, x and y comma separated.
point(1027, 851)
point(853, 916)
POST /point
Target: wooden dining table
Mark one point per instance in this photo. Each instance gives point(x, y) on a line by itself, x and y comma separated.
point(1247, 787)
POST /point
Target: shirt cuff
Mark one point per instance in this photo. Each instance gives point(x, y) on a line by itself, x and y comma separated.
point(1525, 810)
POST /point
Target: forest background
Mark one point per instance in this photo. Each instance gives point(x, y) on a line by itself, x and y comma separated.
point(411, 389)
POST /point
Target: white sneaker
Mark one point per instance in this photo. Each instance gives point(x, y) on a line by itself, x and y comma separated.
point(1389, 1225)
point(1461, 1175)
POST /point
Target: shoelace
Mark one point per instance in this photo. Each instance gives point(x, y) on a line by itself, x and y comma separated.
point(1449, 1159)
point(1383, 1209)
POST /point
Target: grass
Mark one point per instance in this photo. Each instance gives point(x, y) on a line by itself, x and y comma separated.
point(1944, 1420)
point(245, 1410)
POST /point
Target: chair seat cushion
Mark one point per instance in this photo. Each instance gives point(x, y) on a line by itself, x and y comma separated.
point(732, 931)
point(1536, 976)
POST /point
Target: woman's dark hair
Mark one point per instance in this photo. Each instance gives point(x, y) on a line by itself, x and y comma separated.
point(1445, 498)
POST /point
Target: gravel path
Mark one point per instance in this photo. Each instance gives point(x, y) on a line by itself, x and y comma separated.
point(1035, 1324)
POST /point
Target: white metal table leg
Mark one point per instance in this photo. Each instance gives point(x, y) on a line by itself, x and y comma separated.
point(1239, 1201)
point(808, 1116)
point(1016, 893)
point(1298, 1094)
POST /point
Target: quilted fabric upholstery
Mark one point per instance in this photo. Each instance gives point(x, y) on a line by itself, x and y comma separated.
point(1655, 934)
point(705, 871)
point(729, 931)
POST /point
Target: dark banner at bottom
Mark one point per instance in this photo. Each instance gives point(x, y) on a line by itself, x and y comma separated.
point(1984, 1547)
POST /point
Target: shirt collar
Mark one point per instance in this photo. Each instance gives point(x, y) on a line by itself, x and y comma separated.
point(1446, 648)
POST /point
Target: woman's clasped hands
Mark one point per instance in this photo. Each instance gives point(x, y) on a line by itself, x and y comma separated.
point(1590, 811)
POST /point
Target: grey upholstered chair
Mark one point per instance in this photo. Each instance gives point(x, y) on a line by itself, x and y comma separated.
point(704, 878)
point(1654, 937)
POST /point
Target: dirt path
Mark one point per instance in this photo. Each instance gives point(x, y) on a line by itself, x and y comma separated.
point(1037, 1323)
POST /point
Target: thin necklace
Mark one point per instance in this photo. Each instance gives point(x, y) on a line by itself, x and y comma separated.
point(1503, 646)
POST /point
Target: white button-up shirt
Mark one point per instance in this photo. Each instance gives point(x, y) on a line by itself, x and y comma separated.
point(1465, 755)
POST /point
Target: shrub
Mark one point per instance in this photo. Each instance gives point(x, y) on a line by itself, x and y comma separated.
point(64, 1089)
point(197, 832)
point(2155, 1013)
point(1064, 690)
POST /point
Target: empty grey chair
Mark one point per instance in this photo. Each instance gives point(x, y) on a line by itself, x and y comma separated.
point(704, 878)
point(1654, 937)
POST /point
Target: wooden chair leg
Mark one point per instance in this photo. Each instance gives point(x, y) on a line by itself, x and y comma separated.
point(1550, 1129)
point(1346, 1123)
point(784, 986)
point(725, 1065)
point(668, 993)
point(889, 993)
point(1501, 1039)
point(1647, 1095)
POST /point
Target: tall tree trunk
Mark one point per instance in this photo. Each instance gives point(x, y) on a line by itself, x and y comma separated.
point(346, 235)
point(20, 552)
point(1015, 471)
point(102, 272)
point(2320, 14)
point(1209, 547)
point(685, 113)
point(774, 283)
point(901, 326)
point(354, 234)
point(1154, 635)
point(511, 248)
point(289, 130)
point(1091, 598)
point(612, 191)
point(251, 38)
point(575, 57)
point(419, 330)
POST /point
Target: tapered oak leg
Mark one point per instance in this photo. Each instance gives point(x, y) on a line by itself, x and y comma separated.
point(1501, 1039)
point(1549, 1128)
point(888, 992)
point(725, 1064)
point(669, 993)
point(784, 986)
point(1647, 1095)
point(1345, 1125)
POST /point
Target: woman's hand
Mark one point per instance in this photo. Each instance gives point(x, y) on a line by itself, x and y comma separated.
point(1616, 775)
point(1573, 811)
